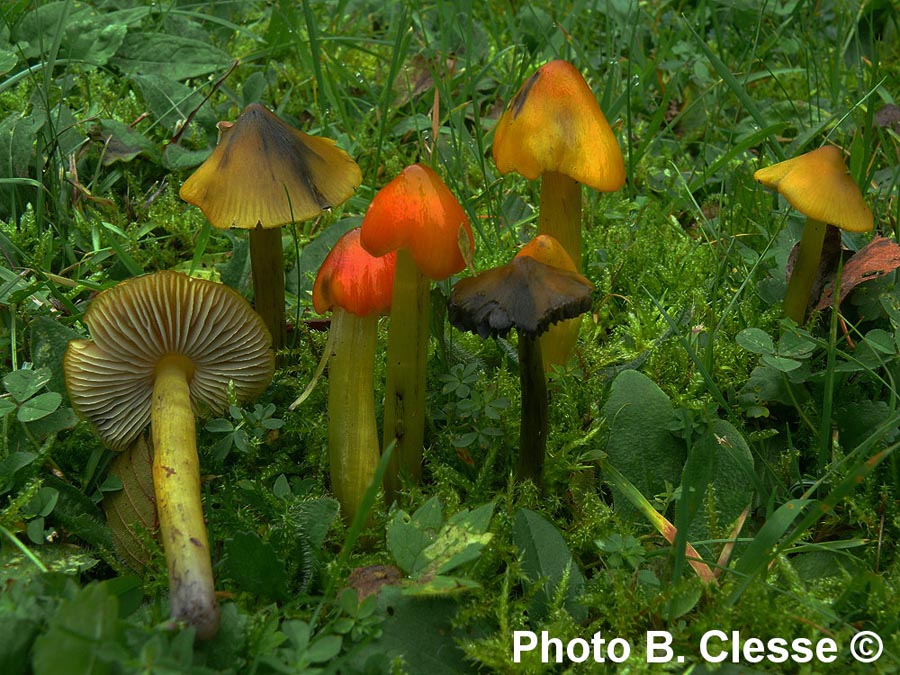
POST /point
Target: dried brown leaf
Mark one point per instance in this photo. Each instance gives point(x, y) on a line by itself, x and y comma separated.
point(879, 257)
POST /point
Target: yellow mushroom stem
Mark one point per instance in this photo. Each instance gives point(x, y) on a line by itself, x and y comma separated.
point(353, 451)
point(267, 261)
point(404, 396)
point(805, 269)
point(176, 481)
point(560, 217)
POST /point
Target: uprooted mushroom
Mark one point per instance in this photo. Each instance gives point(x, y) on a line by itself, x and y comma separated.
point(164, 347)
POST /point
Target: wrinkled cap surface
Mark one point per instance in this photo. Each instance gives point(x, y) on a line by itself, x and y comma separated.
point(819, 185)
point(555, 124)
point(416, 211)
point(354, 280)
point(526, 294)
point(133, 325)
point(265, 172)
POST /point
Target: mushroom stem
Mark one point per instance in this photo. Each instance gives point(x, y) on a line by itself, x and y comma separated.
point(533, 430)
point(805, 268)
point(176, 480)
point(404, 396)
point(353, 451)
point(560, 217)
point(267, 261)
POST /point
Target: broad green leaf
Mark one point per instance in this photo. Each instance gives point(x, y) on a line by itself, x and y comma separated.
point(407, 536)
point(779, 363)
point(729, 490)
point(417, 630)
point(546, 560)
point(171, 102)
point(123, 143)
point(324, 648)
point(756, 341)
point(63, 418)
point(43, 502)
point(219, 425)
point(49, 339)
point(441, 585)
point(459, 541)
point(35, 531)
point(12, 464)
point(236, 272)
point(39, 406)
point(795, 345)
point(6, 407)
point(23, 384)
point(78, 634)
point(640, 444)
point(8, 61)
point(169, 55)
point(177, 158)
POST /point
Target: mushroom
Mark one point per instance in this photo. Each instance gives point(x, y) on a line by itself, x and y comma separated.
point(264, 174)
point(417, 216)
point(819, 186)
point(357, 287)
point(528, 294)
point(554, 130)
point(165, 347)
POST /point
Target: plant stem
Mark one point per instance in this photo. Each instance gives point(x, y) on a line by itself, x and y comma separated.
point(176, 480)
point(353, 451)
point(560, 217)
point(267, 261)
point(404, 397)
point(805, 268)
point(533, 429)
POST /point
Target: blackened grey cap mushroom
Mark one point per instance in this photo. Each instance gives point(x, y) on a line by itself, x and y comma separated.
point(526, 294)
point(137, 323)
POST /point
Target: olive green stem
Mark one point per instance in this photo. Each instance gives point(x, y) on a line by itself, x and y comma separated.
point(353, 451)
point(267, 261)
point(560, 217)
point(404, 397)
point(176, 481)
point(806, 267)
point(533, 429)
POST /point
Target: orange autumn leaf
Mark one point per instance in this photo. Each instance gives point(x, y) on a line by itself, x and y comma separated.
point(879, 257)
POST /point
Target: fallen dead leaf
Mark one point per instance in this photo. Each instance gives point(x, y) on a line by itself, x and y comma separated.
point(879, 257)
point(369, 580)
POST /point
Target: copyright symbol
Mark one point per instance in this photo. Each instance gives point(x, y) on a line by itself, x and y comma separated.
point(866, 647)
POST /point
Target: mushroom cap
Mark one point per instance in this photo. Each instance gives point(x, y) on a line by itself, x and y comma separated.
point(547, 249)
point(555, 124)
point(167, 314)
point(265, 172)
point(819, 186)
point(417, 211)
point(354, 280)
point(526, 294)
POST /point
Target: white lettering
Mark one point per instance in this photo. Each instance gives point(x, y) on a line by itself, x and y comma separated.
point(519, 647)
point(659, 641)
